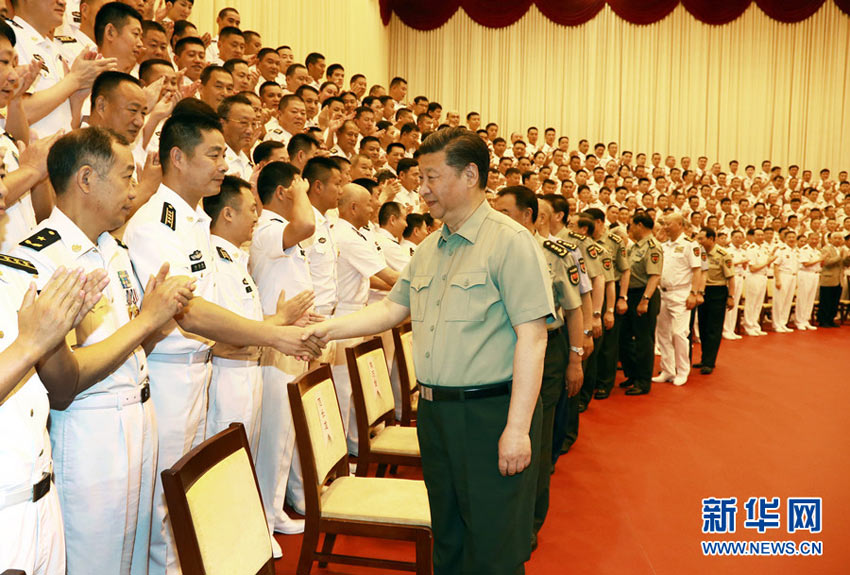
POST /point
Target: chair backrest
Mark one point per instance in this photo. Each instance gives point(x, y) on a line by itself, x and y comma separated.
point(216, 510)
point(319, 432)
point(371, 388)
point(403, 339)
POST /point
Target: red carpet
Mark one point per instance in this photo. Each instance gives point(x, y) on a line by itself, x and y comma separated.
point(770, 422)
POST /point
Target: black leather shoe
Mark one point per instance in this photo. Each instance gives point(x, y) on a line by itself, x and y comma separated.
point(636, 391)
point(582, 407)
point(626, 384)
point(698, 365)
point(601, 394)
point(705, 370)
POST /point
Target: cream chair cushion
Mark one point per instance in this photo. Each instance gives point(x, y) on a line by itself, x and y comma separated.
point(229, 519)
point(407, 344)
point(396, 440)
point(375, 381)
point(327, 435)
point(377, 499)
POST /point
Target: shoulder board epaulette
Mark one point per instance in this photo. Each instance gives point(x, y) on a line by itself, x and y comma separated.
point(277, 220)
point(652, 243)
point(615, 237)
point(578, 236)
point(66, 39)
point(15, 24)
point(41, 239)
point(169, 216)
point(120, 243)
point(222, 253)
point(721, 251)
point(18, 264)
point(568, 245)
point(556, 247)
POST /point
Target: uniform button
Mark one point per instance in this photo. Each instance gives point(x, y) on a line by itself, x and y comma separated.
point(432, 328)
point(32, 413)
point(444, 277)
point(427, 354)
point(438, 303)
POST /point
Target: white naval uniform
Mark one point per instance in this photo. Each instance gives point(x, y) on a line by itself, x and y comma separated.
point(275, 269)
point(408, 199)
point(274, 131)
point(167, 229)
point(19, 219)
point(757, 255)
point(238, 164)
point(236, 385)
point(739, 261)
point(104, 443)
point(681, 258)
point(33, 46)
point(397, 256)
point(787, 262)
point(359, 259)
point(808, 279)
point(31, 532)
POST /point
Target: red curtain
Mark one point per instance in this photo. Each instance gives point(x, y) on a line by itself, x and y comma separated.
point(431, 14)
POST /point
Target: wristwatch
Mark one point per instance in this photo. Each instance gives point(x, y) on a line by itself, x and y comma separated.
point(597, 314)
point(577, 350)
point(588, 332)
point(644, 296)
point(610, 310)
point(622, 297)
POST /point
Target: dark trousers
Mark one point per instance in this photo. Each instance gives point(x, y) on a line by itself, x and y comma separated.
point(481, 520)
point(606, 363)
point(641, 329)
point(553, 385)
point(591, 371)
point(712, 313)
point(829, 298)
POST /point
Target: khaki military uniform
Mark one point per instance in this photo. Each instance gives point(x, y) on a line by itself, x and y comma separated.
point(712, 312)
point(830, 286)
point(637, 341)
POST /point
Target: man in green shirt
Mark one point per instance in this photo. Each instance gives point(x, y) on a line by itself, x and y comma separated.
point(479, 297)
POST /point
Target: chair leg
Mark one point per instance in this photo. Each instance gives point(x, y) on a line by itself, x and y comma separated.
point(382, 470)
point(423, 554)
point(308, 549)
point(362, 469)
point(327, 547)
point(393, 469)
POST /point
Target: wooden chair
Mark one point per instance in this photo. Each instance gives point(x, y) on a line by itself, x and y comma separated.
point(216, 511)
point(766, 318)
point(385, 508)
point(380, 440)
point(403, 340)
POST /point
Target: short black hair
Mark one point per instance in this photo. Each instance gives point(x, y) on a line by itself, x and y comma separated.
point(643, 219)
point(319, 169)
point(414, 221)
point(115, 13)
point(146, 68)
point(301, 143)
point(265, 52)
point(333, 68)
point(184, 43)
point(523, 197)
point(230, 31)
point(559, 204)
point(313, 58)
point(273, 175)
point(231, 189)
point(87, 146)
point(462, 147)
point(231, 64)
point(7, 32)
point(185, 128)
point(284, 102)
point(151, 25)
point(396, 145)
point(709, 232)
point(388, 210)
point(405, 164)
point(305, 88)
point(230, 101)
point(207, 72)
point(107, 82)
point(267, 84)
point(264, 150)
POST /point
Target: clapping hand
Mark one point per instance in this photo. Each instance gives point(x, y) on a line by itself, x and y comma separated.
point(166, 296)
point(45, 319)
point(290, 311)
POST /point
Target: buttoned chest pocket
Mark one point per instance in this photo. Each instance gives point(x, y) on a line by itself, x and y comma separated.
point(419, 291)
point(469, 296)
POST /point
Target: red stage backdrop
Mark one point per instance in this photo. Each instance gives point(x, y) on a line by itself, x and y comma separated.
point(431, 14)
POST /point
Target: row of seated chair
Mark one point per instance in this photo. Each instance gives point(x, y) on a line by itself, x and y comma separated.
point(766, 315)
point(214, 500)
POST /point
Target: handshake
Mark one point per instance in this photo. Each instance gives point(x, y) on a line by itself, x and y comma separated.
point(300, 332)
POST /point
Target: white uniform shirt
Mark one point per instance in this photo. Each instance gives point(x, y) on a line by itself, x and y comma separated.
point(322, 253)
point(64, 244)
point(757, 255)
point(274, 131)
point(238, 164)
point(24, 443)
point(72, 42)
point(407, 199)
point(680, 259)
point(275, 269)
point(234, 286)
point(809, 254)
point(395, 255)
point(408, 246)
point(787, 260)
point(359, 259)
point(167, 229)
point(739, 259)
point(33, 46)
point(19, 219)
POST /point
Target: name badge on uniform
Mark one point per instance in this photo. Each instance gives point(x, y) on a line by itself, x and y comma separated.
point(679, 250)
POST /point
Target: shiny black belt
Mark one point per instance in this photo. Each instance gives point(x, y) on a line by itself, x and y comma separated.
point(41, 488)
point(463, 393)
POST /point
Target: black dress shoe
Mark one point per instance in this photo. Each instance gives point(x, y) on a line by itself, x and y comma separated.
point(705, 370)
point(625, 384)
point(636, 391)
point(582, 407)
point(698, 365)
point(601, 394)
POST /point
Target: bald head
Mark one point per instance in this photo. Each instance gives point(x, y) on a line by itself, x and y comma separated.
point(355, 205)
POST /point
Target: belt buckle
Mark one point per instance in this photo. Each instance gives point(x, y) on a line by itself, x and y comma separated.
point(41, 488)
point(146, 392)
point(426, 393)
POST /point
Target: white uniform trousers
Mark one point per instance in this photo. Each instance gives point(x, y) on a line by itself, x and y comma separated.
point(732, 314)
point(807, 288)
point(104, 459)
point(179, 394)
point(782, 298)
point(32, 536)
point(343, 382)
point(236, 395)
point(277, 434)
point(671, 332)
point(754, 302)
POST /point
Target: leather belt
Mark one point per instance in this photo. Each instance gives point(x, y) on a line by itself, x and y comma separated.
point(33, 493)
point(185, 358)
point(114, 400)
point(463, 393)
point(228, 362)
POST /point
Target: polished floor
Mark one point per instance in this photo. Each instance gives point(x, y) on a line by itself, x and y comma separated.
point(772, 421)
